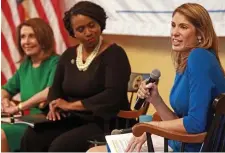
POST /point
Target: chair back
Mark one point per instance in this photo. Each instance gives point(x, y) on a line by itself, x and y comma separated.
point(127, 119)
point(215, 138)
point(133, 85)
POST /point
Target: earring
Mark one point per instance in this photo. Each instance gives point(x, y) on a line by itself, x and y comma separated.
point(72, 61)
point(199, 39)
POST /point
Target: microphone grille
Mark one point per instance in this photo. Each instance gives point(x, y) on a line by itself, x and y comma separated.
point(115, 132)
point(155, 74)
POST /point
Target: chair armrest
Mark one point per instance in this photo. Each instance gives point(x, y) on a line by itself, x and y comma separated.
point(140, 128)
point(156, 117)
point(130, 114)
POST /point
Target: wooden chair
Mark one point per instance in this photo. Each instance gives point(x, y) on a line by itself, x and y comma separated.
point(128, 116)
point(133, 85)
point(213, 140)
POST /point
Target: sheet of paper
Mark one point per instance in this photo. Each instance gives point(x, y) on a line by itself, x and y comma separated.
point(118, 143)
point(16, 121)
point(8, 119)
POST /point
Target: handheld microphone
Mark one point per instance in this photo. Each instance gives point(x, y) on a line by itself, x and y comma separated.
point(121, 131)
point(154, 77)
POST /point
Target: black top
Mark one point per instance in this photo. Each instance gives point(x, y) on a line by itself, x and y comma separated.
point(102, 88)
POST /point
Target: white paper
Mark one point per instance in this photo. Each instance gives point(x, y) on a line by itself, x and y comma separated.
point(8, 119)
point(16, 121)
point(118, 143)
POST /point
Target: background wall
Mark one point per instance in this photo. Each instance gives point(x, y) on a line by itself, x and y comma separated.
point(148, 53)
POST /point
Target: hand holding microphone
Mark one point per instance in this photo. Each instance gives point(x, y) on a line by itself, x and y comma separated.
point(148, 89)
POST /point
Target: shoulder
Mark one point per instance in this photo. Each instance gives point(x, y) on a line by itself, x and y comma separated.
point(52, 60)
point(199, 54)
point(116, 57)
point(200, 57)
point(25, 63)
point(115, 51)
point(68, 53)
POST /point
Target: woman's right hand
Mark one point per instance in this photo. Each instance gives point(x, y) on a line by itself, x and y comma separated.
point(53, 113)
point(150, 96)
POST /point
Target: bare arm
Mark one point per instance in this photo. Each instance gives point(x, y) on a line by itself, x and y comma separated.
point(171, 125)
point(36, 99)
point(163, 110)
point(150, 92)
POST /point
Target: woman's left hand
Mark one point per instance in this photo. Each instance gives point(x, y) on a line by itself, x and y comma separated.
point(60, 103)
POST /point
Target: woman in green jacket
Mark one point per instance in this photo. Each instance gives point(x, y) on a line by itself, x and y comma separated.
point(35, 41)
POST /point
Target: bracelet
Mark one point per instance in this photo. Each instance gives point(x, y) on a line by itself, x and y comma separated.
point(20, 106)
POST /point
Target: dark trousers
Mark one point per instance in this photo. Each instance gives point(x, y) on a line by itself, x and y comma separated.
point(63, 136)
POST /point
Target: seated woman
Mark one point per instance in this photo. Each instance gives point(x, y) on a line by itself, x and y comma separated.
point(90, 86)
point(32, 80)
point(199, 78)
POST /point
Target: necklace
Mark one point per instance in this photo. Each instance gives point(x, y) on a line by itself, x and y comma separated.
point(84, 66)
